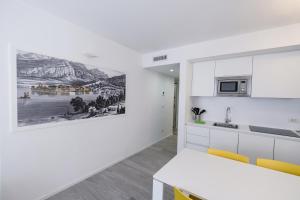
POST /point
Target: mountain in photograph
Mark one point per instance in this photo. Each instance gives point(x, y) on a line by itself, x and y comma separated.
point(64, 90)
point(99, 75)
point(118, 80)
point(47, 69)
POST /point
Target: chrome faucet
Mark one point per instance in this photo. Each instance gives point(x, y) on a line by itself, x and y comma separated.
point(227, 117)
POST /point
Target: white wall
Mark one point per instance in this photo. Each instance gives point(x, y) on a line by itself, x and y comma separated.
point(184, 102)
point(42, 161)
point(253, 111)
point(286, 37)
point(2, 114)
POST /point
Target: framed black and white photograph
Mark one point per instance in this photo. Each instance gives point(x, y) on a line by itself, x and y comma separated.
point(52, 90)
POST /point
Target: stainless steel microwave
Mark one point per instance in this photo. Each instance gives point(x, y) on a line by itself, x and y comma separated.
point(233, 86)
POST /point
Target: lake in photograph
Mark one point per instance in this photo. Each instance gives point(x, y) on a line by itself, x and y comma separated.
point(53, 90)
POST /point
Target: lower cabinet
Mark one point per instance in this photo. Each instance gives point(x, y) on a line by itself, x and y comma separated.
point(197, 138)
point(287, 151)
point(197, 147)
point(255, 147)
point(224, 140)
point(204, 132)
point(251, 145)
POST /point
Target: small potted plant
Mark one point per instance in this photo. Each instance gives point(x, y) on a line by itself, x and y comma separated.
point(197, 115)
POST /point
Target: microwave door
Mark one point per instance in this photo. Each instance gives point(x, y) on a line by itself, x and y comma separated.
point(227, 87)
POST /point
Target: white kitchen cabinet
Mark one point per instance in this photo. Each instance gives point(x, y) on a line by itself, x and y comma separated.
point(224, 140)
point(255, 146)
point(241, 66)
point(196, 147)
point(287, 151)
point(203, 83)
point(197, 138)
point(276, 75)
point(201, 131)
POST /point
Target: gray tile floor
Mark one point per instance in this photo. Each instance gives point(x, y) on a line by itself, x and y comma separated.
point(130, 179)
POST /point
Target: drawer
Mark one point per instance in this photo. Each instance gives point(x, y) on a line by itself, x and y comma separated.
point(196, 147)
point(204, 132)
point(195, 139)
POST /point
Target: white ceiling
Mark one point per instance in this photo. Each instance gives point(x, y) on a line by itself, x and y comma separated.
point(166, 70)
point(150, 25)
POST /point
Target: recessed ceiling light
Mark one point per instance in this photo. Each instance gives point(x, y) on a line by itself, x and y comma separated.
point(171, 70)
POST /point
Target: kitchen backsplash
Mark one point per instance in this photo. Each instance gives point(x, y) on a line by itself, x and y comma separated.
point(278, 113)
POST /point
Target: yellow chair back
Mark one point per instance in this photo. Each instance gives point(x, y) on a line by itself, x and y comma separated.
point(179, 195)
point(279, 166)
point(229, 155)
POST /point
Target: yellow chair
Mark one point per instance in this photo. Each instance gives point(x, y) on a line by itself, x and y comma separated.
point(229, 155)
point(279, 166)
point(179, 195)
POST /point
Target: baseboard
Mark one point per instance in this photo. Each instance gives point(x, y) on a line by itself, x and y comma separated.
point(44, 197)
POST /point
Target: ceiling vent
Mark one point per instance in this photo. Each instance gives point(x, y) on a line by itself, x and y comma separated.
point(159, 58)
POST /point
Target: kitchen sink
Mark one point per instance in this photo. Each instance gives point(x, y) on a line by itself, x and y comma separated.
point(226, 125)
point(274, 131)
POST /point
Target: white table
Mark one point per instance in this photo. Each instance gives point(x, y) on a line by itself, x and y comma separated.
point(216, 178)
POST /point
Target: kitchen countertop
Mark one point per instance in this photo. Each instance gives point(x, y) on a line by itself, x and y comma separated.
point(243, 129)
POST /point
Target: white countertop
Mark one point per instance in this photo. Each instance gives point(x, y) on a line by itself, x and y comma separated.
point(216, 178)
point(242, 129)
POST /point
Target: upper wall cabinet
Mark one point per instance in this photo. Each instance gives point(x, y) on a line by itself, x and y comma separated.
point(276, 75)
point(234, 67)
point(203, 79)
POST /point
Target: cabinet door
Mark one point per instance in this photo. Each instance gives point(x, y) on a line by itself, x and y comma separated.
point(197, 140)
point(203, 83)
point(287, 151)
point(276, 75)
point(201, 131)
point(196, 147)
point(234, 67)
point(223, 140)
point(255, 146)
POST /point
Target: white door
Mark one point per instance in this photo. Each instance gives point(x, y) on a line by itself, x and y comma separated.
point(255, 146)
point(234, 67)
point(203, 83)
point(276, 75)
point(224, 140)
point(287, 151)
